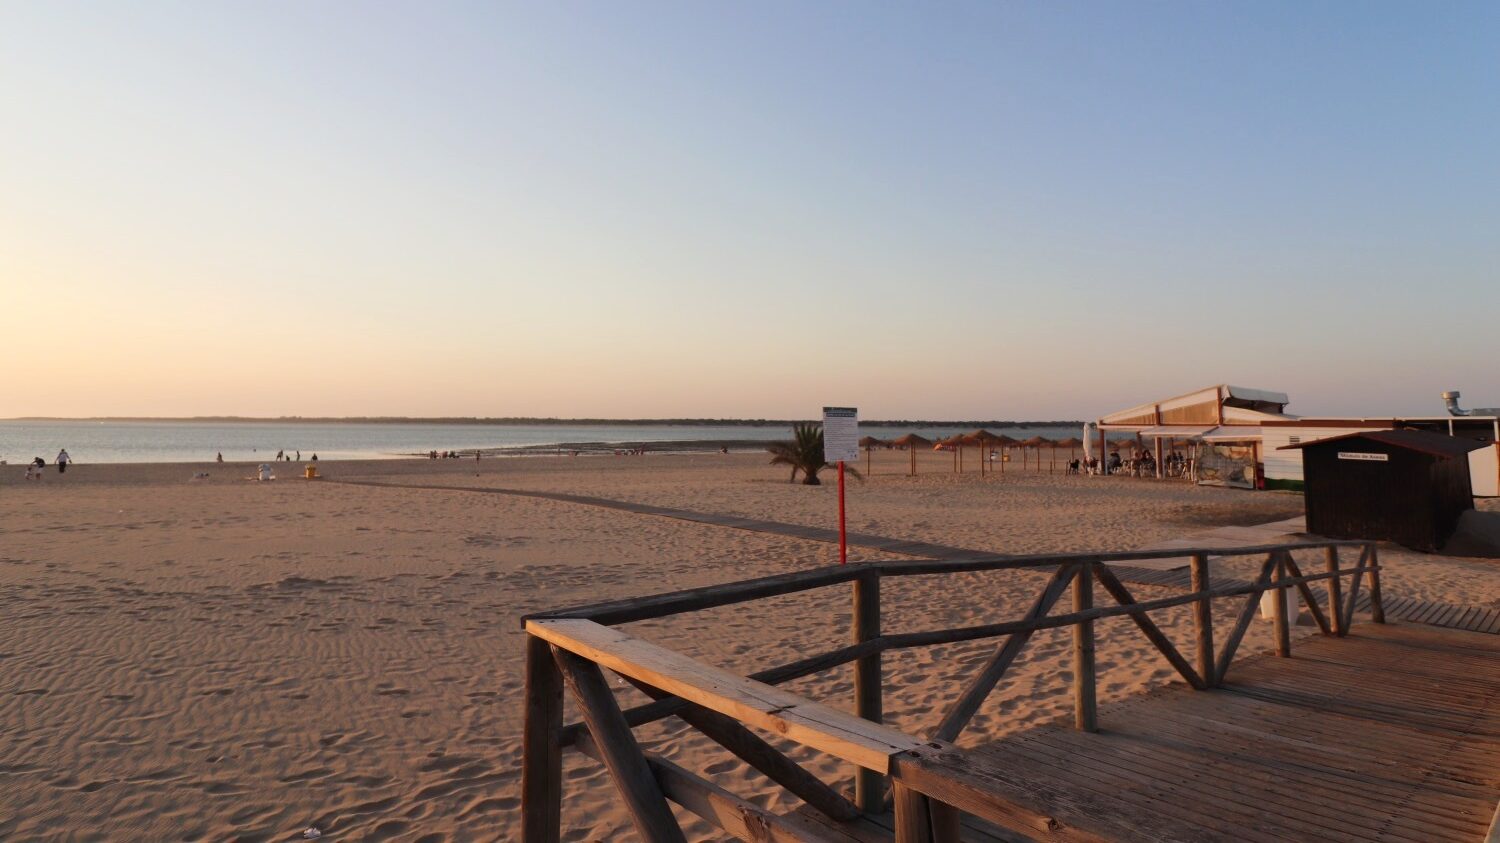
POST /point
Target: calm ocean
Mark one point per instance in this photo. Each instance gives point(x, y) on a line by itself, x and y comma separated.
point(115, 441)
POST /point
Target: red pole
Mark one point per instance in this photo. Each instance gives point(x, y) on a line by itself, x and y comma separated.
point(843, 541)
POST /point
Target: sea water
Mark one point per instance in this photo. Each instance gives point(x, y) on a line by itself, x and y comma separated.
point(201, 441)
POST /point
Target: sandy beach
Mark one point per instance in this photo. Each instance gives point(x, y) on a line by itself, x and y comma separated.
point(222, 659)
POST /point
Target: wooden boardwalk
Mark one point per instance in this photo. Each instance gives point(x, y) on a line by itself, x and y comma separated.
point(1389, 734)
point(1470, 618)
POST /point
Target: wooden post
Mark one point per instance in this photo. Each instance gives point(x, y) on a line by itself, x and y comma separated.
point(541, 751)
point(912, 822)
point(1085, 702)
point(913, 451)
point(869, 786)
point(1335, 592)
point(1159, 472)
point(628, 770)
point(1279, 613)
point(1377, 607)
point(1103, 453)
point(868, 452)
point(1203, 621)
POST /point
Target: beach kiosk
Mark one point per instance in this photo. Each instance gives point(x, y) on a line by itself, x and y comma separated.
point(1405, 486)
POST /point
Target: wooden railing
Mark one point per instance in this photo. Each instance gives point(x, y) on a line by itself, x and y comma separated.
point(930, 778)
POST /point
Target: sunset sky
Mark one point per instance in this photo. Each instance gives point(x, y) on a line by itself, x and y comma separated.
point(986, 210)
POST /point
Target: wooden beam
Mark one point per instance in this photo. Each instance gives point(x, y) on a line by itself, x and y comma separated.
point(541, 748)
point(662, 709)
point(869, 786)
point(1000, 562)
point(1307, 595)
point(750, 748)
point(752, 703)
point(1085, 680)
point(1247, 614)
point(718, 806)
point(1335, 592)
point(1203, 618)
point(974, 695)
point(708, 597)
point(627, 766)
point(1148, 627)
point(901, 640)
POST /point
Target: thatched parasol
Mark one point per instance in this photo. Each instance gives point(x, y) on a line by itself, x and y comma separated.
point(869, 443)
point(1034, 442)
point(1071, 443)
point(911, 442)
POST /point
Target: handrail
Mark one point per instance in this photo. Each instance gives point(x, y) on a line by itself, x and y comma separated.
point(708, 597)
point(581, 640)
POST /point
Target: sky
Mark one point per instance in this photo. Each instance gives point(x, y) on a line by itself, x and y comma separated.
point(955, 210)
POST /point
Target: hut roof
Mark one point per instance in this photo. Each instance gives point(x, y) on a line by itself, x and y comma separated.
point(981, 435)
point(911, 440)
point(1007, 441)
point(1070, 442)
point(1036, 442)
point(1421, 441)
point(870, 442)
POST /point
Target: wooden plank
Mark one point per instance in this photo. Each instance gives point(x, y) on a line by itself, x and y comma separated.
point(979, 688)
point(1335, 593)
point(628, 770)
point(842, 735)
point(997, 562)
point(1248, 769)
point(1175, 783)
point(1013, 798)
point(653, 711)
point(541, 749)
point(708, 597)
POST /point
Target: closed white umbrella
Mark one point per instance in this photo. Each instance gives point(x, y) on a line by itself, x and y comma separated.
point(1088, 442)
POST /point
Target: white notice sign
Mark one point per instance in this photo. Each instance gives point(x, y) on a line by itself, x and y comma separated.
point(840, 434)
point(1356, 455)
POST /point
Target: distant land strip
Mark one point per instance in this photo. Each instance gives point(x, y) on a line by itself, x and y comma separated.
point(528, 420)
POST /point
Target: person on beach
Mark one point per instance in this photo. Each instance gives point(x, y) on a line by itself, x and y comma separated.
point(220, 457)
point(299, 455)
point(278, 455)
point(62, 460)
point(315, 458)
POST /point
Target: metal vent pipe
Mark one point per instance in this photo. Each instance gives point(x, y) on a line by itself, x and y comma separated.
point(1451, 399)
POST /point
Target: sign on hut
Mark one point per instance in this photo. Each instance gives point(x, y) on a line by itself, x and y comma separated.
point(1405, 486)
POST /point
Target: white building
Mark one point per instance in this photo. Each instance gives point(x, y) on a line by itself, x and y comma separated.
point(1240, 433)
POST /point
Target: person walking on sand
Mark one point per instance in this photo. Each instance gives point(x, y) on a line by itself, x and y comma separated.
point(62, 460)
point(220, 457)
point(299, 455)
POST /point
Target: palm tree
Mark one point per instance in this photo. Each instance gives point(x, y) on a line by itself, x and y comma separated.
point(805, 454)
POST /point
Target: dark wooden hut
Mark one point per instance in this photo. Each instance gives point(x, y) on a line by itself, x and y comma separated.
point(1405, 486)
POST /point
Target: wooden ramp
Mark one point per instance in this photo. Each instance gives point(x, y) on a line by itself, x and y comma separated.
point(1392, 733)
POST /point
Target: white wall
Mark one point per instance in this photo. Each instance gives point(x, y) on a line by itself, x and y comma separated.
point(1287, 465)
